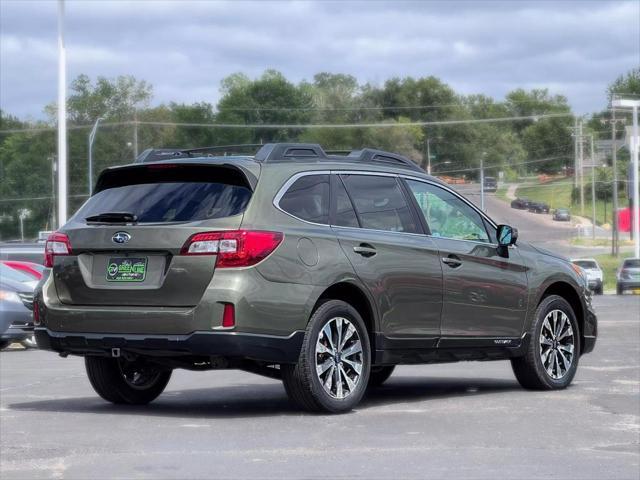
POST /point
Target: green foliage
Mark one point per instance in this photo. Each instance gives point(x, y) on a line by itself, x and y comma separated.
point(628, 84)
point(513, 147)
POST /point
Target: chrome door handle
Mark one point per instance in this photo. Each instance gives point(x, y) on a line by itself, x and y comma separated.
point(365, 250)
point(453, 262)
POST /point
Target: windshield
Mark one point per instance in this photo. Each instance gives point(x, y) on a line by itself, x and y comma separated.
point(586, 264)
point(632, 263)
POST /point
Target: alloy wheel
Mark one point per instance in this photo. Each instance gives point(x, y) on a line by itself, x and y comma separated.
point(557, 344)
point(339, 357)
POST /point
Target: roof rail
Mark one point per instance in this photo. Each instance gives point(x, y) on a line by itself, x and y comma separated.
point(282, 152)
point(272, 152)
point(371, 155)
point(156, 154)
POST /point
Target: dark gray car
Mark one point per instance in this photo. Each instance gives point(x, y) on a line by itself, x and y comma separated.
point(325, 271)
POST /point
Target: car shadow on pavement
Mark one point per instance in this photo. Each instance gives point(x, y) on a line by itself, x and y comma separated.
point(257, 400)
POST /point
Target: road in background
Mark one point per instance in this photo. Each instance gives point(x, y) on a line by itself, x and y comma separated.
point(536, 228)
point(465, 420)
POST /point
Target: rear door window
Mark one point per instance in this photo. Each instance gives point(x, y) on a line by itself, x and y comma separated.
point(308, 199)
point(170, 194)
point(380, 203)
point(345, 214)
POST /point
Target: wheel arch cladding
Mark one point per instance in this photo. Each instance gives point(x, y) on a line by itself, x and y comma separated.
point(354, 296)
point(566, 291)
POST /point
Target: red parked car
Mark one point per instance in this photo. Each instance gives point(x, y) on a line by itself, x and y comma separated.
point(32, 269)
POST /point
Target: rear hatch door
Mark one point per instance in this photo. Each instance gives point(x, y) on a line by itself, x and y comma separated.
point(127, 239)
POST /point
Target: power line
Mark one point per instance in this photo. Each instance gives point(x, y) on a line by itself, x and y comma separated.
point(272, 126)
point(540, 160)
point(360, 125)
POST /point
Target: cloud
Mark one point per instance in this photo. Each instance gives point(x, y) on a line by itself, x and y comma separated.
point(185, 48)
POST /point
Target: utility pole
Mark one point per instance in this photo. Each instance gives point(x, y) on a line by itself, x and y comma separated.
point(428, 156)
point(593, 191)
point(62, 119)
point(53, 191)
point(615, 234)
point(92, 137)
point(575, 153)
point(135, 134)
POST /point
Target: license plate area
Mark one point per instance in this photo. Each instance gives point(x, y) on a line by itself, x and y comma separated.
point(127, 269)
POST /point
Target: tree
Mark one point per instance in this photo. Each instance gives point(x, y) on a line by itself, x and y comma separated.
point(628, 84)
point(270, 99)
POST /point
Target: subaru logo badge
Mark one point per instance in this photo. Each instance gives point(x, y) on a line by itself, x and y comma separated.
point(121, 237)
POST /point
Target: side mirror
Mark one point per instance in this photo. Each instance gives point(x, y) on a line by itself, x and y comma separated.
point(507, 235)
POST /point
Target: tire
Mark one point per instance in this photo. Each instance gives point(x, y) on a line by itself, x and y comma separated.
point(599, 290)
point(4, 344)
point(529, 369)
point(379, 375)
point(619, 290)
point(108, 379)
point(305, 386)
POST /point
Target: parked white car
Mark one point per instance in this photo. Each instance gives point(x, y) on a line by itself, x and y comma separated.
point(593, 272)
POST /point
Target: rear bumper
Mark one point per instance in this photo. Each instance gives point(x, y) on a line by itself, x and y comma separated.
point(268, 348)
point(629, 284)
point(17, 333)
point(595, 283)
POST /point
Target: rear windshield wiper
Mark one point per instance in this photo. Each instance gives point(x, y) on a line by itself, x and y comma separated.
point(113, 217)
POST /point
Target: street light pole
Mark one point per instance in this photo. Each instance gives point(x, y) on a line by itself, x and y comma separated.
point(92, 137)
point(635, 177)
point(581, 160)
point(593, 191)
point(62, 119)
point(636, 193)
point(482, 181)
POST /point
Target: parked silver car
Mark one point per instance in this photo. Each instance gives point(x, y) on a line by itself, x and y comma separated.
point(16, 306)
point(628, 277)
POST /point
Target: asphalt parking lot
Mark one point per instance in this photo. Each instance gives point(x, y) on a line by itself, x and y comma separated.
point(465, 420)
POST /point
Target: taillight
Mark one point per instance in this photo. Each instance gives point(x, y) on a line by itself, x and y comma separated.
point(57, 244)
point(36, 312)
point(234, 248)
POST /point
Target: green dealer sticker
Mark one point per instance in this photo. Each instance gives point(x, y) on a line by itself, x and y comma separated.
point(127, 269)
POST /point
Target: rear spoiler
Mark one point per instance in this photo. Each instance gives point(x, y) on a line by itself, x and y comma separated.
point(233, 174)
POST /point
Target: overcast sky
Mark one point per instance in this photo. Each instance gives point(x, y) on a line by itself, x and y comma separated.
point(185, 48)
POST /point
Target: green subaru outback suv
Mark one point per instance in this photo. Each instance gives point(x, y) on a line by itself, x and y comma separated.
point(325, 271)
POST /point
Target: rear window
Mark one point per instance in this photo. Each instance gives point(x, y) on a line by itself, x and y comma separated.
point(158, 194)
point(632, 263)
point(308, 199)
point(586, 264)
